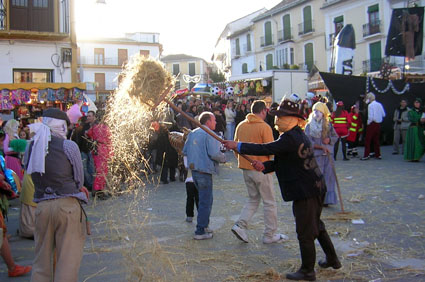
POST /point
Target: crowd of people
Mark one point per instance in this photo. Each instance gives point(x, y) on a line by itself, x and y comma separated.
point(58, 163)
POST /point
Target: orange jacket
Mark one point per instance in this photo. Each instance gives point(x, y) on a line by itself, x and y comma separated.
point(253, 130)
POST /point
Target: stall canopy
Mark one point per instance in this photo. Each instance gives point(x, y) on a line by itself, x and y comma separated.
point(16, 94)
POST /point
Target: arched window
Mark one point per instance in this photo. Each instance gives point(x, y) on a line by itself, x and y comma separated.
point(245, 68)
point(269, 62)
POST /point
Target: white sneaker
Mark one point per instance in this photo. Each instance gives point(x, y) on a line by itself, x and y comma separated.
point(277, 238)
point(240, 233)
point(208, 230)
point(204, 236)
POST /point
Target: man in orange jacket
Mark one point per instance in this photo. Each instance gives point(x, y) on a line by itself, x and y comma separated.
point(260, 186)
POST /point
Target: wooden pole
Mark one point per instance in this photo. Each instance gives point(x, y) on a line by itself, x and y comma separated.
point(207, 130)
point(337, 182)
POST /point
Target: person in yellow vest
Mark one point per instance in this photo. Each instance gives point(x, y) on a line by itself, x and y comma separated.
point(355, 131)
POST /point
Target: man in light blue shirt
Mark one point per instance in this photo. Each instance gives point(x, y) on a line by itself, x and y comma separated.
point(203, 155)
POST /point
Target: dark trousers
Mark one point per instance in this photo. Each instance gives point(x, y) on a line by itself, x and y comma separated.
point(164, 173)
point(373, 132)
point(344, 147)
point(192, 198)
point(309, 227)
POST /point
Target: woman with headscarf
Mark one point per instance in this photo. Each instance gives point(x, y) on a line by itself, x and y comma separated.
point(415, 140)
point(56, 169)
point(323, 138)
point(12, 158)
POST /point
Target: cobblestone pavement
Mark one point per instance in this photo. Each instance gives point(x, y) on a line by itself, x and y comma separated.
point(144, 234)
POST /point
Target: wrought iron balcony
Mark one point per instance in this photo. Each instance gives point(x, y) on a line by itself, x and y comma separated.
point(267, 41)
point(97, 60)
point(306, 27)
point(371, 28)
point(372, 65)
point(285, 36)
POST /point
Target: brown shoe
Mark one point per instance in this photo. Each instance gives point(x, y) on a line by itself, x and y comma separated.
point(301, 275)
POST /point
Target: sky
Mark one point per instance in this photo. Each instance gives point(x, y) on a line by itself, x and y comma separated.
point(190, 27)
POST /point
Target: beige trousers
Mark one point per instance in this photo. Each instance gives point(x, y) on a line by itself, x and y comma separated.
point(59, 224)
point(259, 186)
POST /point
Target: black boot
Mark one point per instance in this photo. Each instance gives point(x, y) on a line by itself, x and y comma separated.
point(329, 250)
point(302, 275)
point(325, 263)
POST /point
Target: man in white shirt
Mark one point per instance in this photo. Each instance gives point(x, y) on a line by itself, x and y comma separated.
point(375, 117)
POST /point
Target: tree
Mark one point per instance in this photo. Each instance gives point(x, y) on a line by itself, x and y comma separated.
point(217, 76)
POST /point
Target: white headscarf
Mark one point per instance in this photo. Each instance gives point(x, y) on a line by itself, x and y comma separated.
point(43, 135)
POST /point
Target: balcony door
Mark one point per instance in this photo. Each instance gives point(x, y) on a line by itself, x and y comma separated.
point(122, 56)
point(99, 78)
point(34, 15)
point(375, 56)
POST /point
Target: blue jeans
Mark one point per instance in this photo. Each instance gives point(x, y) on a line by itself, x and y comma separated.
point(230, 130)
point(88, 167)
point(203, 183)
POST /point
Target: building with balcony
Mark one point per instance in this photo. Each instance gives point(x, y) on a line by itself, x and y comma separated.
point(100, 60)
point(37, 42)
point(371, 22)
point(236, 41)
point(187, 70)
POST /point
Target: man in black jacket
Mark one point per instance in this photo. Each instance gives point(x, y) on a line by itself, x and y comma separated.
point(300, 181)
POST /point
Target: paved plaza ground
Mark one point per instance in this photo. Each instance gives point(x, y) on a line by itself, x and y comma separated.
point(143, 236)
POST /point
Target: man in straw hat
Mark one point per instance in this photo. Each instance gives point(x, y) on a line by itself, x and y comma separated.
point(55, 166)
point(300, 181)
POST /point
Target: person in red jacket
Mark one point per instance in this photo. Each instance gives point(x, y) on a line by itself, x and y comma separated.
point(354, 131)
point(341, 120)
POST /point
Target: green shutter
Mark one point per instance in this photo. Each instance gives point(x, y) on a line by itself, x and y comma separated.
point(244, 68)
point(286, 27)
point(308, 24)
point(375, 56)
point(269, 62)
point(238, 48)
point(248, 42)
point(176, 69)
point(339, 19)
point(308, 54)
point(268, 31)
point(373, 9)
point(192, 69)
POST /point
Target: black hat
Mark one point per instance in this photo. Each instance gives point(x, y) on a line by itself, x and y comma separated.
point(57, 114)
point(287, 108)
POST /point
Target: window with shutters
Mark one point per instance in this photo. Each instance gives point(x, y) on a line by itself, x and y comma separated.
point(122, 56)
point(32, 15)
point(248, 43)
point(287, 27)
point(238, 48)
point(269, 62)
point(192, 70)
point(176, 69)
point(244, 68)
point(308, 55)
point(268, 34)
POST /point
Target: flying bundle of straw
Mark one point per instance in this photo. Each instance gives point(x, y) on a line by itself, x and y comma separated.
point(146, 80)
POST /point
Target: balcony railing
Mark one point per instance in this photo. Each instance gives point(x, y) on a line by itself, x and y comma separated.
point(306, 27)
point(109, 86)
point(268, 42)
point(285, 36)
point(372, 65)
point(100, 61)
point(371, 28)
point(307, 65)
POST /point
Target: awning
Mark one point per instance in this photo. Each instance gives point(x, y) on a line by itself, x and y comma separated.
point(252, 76)
point(40, 86)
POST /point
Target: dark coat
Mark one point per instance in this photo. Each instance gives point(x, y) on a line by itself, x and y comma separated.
point(294, 163)
point(164, 148)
